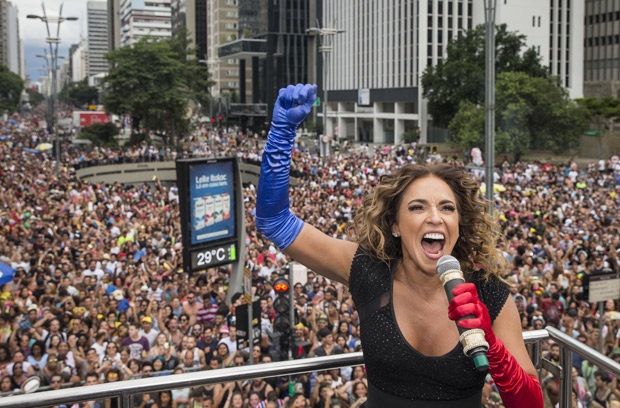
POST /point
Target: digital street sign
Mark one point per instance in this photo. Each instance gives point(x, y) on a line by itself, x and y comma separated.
point(209, 200)
point(212, 196)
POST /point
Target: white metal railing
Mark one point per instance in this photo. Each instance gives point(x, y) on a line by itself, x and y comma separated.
point(124, 390)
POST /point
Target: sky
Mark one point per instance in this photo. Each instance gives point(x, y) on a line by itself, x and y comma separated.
point(33, 32)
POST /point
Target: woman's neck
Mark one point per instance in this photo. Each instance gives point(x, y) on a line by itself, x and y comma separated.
point(411, 276)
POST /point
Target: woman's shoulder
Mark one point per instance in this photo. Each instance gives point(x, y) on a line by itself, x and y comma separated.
point(492, 290)
point(369, 275)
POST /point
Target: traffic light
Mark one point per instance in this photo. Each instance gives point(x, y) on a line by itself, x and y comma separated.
point(282, 306)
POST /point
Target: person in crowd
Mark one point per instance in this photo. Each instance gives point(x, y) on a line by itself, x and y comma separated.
point(413, 217)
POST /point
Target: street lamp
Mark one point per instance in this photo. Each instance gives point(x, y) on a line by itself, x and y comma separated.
point(489, 100)
point(325, 49)
point(53, 46)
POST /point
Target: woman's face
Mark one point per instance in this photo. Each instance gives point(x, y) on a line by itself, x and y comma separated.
point(111, 349)
point(161, 339)
point(5, 384)
point(427, 223)
point(300, 402)
point(360, 390)
point(237, 401)
point(222, 349)
point(157, 365)
point(55, 341)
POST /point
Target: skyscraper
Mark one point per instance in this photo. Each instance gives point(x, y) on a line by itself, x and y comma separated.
point(139, 19)
point(272, 37)
point(10, 42)
point(602, 48)
point(114, 24)
point(97, 37)
point(191, 16)
point(374, 70)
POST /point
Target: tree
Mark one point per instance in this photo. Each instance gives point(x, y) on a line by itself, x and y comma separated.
point(603, 111)
point(460, 77)
point(79, 94)
point(101, 134)
point(11, 86)
point(34, 97)
point(531, 113)
point(153, 82)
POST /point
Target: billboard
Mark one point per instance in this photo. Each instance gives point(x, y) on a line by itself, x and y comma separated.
point(212, 195)
point(209, 191)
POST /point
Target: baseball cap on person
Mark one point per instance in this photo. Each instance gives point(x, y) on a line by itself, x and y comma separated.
point(225, 330)
point(144, 288)
point(117, 294)
point(147, 319)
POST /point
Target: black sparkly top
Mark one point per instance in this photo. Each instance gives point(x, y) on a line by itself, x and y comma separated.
point(392, 364)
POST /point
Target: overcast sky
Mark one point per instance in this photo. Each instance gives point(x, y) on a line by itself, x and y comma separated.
point(33, 31)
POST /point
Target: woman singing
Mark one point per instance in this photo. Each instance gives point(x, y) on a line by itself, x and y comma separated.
point(413, 217)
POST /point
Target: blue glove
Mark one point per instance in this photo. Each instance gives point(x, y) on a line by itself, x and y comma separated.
point(273, 216)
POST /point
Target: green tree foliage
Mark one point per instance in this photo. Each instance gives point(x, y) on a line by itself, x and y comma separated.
point(79, 94)
point(101, 134)
point(601, 110)
point(531, 113)
point(153, 82)
point(11, 86)
point(34, 97)
point(460, 77)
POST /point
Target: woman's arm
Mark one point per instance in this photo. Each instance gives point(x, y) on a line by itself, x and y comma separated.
point(509, 364)
point(306, 244)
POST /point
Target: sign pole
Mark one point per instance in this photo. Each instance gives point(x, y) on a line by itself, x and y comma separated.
point(291, 310)
point(251, 329)
point(601, 313)
point(236, 274)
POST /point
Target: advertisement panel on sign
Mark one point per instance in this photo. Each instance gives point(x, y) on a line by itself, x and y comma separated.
point(82, 119)
point(211, 194)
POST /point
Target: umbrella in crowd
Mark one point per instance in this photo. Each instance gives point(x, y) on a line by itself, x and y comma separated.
point(43, 147)
point(6, 273)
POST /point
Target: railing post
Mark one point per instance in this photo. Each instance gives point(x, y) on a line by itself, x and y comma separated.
point(535, 350)
point(125, 400)
point(566, 381)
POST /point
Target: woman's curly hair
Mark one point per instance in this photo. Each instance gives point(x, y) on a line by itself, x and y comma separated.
point(478, 233)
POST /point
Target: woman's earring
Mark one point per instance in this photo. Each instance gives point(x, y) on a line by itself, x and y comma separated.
point(395, 234)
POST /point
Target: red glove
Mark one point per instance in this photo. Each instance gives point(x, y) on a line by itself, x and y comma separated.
point(516, 387)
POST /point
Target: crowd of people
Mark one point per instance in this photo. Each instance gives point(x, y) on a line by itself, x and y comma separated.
point(99, 293)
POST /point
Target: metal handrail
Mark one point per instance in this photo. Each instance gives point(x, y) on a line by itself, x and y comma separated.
point(126, 389)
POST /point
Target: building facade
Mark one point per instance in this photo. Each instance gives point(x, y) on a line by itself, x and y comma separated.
point(10, 43)
point(97, 25)
point(602, 48)
point(222, 27)
point(114, 24)
point(554, 28)
point(78, 57)
point(140, 18)
point(373, 72)
point(191, 16)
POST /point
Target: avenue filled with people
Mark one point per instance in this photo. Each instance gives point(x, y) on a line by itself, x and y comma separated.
point(99, 293)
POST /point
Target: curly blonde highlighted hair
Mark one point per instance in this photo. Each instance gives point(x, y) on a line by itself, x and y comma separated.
point(478, 233)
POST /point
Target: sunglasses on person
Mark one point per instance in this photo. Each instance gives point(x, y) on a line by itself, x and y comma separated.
point(112, 375)
point(55, 382)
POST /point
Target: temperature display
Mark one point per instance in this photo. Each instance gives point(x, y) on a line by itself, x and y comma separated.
point(217, 255)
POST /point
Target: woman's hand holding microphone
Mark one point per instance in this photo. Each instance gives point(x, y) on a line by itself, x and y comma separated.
point(516, 387)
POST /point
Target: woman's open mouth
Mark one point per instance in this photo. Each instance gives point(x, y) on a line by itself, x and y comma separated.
point(432, 244)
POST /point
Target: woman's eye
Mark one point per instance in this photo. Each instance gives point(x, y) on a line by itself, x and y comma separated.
point(449, 208)
point(415, 208)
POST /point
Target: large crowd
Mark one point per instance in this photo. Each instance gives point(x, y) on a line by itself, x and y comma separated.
point(99, 293)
